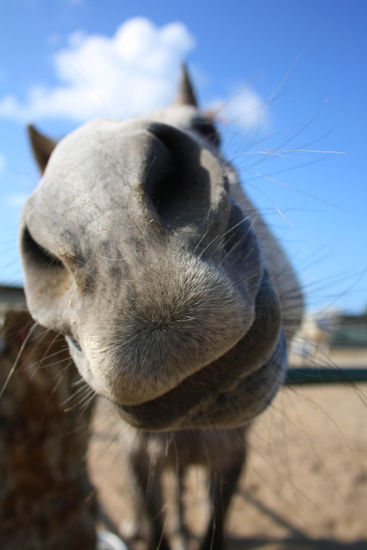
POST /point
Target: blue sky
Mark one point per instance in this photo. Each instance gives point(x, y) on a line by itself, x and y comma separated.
point(294, 74)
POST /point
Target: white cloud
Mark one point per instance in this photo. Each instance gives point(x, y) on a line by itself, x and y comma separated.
point(2, 162)
point(244, 108)
point(126, 75)
point(129, 74)
point(248, 109)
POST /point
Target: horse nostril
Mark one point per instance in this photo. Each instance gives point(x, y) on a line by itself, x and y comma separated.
point(37, 253)
point(178, 186)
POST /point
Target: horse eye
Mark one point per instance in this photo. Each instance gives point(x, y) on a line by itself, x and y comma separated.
point(75, 343)
point(38, 253)
point(207, 130)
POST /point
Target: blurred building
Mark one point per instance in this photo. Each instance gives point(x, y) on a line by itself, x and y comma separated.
point(331, 338)
point(11, 295)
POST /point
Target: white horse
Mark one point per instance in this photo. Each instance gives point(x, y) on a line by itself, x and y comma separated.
point(140, 246)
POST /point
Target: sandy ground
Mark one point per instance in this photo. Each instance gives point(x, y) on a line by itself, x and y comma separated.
point(305, 486)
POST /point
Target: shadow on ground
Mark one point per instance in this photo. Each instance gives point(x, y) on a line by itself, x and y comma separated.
point(293, 543)
point(297, 539)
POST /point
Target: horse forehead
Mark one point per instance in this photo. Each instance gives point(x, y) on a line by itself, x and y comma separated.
point(103, 155)
point(89, 175)
point(97, 137)
point(99, 157)
point(108, 133)
point(103, 145)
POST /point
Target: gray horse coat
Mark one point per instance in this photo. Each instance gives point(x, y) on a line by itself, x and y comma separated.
point(140, 246)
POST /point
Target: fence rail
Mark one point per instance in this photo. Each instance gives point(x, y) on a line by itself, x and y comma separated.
point(325, 375)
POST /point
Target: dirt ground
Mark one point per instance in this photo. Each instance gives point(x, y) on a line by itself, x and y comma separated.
point(305, 486)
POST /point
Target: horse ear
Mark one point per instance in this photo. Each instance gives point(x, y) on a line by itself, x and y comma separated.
point(42, 147)
point(185, 94)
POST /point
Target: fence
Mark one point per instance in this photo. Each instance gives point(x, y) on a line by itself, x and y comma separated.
point(325, 375)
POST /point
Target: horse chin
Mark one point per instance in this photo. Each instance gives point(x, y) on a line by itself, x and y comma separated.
point(247, 399)
point(226, 392)
point(230, 391)
point(233, 406)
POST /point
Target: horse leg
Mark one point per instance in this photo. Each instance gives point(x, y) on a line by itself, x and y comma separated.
point(223, 484)
point(148, 477)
